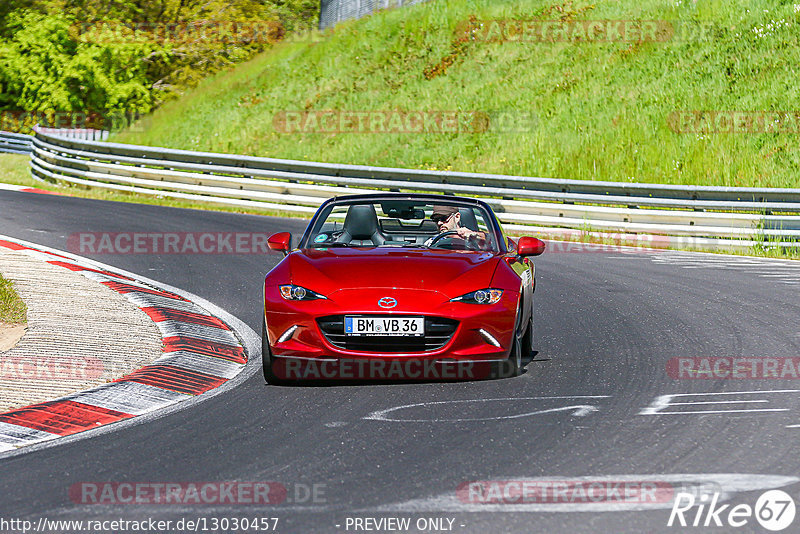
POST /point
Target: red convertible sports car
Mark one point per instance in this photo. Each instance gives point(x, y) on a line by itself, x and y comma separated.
point(399, 286)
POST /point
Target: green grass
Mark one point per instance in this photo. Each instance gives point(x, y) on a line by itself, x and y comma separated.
point(601, 109)
point(15, 169)
point(12, 309)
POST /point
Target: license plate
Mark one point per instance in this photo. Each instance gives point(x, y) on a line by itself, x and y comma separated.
point(384, 326)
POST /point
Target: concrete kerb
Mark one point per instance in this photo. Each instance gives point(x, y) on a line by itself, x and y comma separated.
point(160, 399)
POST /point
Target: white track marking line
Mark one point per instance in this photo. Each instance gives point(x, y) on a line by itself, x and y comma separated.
point(14, 187)
point(663, 402)
point(579, 410)
point(695, 412)
point(751, 392)
point(715, 402)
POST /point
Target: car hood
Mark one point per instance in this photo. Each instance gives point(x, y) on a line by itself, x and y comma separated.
point(450, 272)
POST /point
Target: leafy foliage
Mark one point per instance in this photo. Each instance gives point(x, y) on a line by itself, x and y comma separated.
point(102, 57)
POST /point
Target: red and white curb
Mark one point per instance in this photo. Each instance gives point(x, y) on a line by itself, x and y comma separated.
point(203, 353)
point(26, 189)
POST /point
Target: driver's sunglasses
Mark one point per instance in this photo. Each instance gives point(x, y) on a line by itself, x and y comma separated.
point(441, 218)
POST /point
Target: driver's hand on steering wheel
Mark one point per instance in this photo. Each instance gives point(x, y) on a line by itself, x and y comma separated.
point(466, 233)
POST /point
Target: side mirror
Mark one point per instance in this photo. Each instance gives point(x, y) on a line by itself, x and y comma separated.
point(530, 246)
point(281, 241)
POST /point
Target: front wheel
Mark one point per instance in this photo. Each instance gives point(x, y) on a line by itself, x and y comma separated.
point(528, 340)
point(512, 366)
point(515, 358)
point(266, 357)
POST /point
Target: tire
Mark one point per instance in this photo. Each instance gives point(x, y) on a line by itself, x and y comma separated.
point(528, 340)
point(515, 357)
point(266, 357)
point(511, 366)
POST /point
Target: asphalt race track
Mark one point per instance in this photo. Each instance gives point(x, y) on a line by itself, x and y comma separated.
point(607, 323)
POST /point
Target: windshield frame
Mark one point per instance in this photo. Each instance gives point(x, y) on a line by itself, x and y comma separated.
point(326, 207)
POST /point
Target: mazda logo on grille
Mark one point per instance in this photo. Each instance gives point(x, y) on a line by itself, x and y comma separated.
point(387, 302)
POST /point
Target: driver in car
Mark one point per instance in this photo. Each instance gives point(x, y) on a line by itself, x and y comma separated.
point(448, 219)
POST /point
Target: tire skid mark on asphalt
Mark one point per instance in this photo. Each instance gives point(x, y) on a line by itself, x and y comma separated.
point(200, 354)
point(466, 499)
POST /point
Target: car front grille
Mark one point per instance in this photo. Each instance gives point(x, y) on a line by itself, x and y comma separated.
point(438, 331)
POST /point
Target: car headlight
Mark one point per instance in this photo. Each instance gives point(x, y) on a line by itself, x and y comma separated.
point(481, 296)
point(293, 292)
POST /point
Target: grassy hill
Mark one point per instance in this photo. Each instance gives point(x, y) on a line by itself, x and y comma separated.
point(600, 110)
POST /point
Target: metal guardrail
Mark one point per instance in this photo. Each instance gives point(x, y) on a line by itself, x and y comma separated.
point(15, 143)
point(702, 216)
point(87, 134)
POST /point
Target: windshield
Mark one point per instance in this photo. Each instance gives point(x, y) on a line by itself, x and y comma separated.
point(403, 223)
